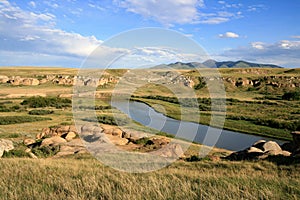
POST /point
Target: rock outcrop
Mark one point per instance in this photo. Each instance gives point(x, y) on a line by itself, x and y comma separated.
point(258, 151)
point(17, 80)
point(99, 138)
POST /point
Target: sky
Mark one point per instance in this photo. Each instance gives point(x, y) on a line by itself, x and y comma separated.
point(64, 33)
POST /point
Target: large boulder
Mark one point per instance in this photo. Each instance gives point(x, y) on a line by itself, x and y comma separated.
point(75, 146)
point(3, 79)
point(117, 140)
point(61, 130)
point(170, 151)
point(29, 141)
point(53, 141)
point(7, 145)
point(271, 146)
point(259, 150)
point(70, 136)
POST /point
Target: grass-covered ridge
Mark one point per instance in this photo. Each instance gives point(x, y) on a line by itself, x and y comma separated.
point(5, 120)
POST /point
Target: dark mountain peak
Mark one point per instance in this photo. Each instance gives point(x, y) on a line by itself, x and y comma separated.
point(215, 64)
point(210, 63)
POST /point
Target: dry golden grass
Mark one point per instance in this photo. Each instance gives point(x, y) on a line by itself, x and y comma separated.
point(89, 179)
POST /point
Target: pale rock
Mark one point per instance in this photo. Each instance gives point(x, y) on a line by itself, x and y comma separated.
point(70, 136)
point(117, 132)
point(53, 141)
point(271, 146)
point(7, 145)
point(29, 141)
point(117, 140)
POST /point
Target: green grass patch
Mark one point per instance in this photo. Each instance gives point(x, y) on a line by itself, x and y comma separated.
point(42, 102)
point(40, 112)
point(5, 120)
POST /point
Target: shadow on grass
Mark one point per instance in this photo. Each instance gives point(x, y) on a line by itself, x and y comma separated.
point(283, 160)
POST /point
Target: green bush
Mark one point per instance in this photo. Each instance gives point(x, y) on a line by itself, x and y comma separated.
point(40, 112)
point(107, 119)
point(193, 158)
point(291, 96)
point(201, 84)
point(42, 102)
point(14, 108)
point(5, 120)
point(46, 151)
point(143, 141)
point(15, 153)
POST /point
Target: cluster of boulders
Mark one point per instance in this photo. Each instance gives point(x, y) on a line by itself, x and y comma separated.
point(66, 138)
point(259, 150)
point(263, 149)
point(130, 140)
point(17, 80)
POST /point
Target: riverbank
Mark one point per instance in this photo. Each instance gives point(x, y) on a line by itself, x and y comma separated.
point(237, 124)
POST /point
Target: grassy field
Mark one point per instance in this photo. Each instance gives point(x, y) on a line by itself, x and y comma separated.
point(86, 178)
point(240, 116)
point(83, 177)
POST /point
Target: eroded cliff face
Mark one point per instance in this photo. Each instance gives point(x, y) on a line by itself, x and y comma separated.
point(57, 80)
point(233, 78)
point(274, 81)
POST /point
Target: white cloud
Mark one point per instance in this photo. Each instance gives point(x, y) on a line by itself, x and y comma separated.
point(258, 45)
point(96, 7)
point(296, 36)
point(229, 35)
point(32, 4)
point(284, 52)
point(166, 12)
point(170, 12)
point(256, 8)
point(35, 34)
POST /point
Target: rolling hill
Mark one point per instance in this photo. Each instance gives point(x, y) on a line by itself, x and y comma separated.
point(216, 64)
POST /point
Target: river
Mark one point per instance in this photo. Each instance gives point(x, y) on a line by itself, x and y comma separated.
point(225, 139)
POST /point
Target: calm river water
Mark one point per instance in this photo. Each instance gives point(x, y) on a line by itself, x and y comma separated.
point(225, 139)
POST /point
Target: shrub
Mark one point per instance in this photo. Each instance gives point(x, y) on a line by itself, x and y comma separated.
point(14, 108)
point(143, 141)
point(193, 158)
point(201, 84)
point(40, 112)
point(15, 153)
point(107, 119)
point(41, 102)
point(291, 96)
point(5, 120)
point(46, 151)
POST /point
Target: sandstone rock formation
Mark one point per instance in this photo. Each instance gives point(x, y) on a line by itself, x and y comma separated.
point(259, 150)
point(100, 138)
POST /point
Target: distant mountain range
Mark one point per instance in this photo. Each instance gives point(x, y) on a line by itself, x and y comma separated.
point(215, 64)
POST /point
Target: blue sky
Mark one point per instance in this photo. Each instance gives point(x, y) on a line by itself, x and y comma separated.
point(63, 33)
